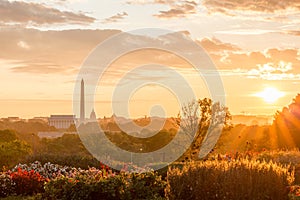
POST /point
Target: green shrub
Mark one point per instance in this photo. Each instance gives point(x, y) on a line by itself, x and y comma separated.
point(106, 186)
point(237, 180)
point(146, 186)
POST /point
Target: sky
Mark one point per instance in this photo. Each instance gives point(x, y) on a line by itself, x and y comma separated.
point(253, 44)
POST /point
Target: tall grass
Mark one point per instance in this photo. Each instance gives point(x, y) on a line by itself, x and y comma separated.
point(235, 180)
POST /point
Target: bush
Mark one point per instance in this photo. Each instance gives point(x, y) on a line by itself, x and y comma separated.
point(146, 186)
point(291, 157)
point(7, 186)
point(47, 170)
point(106, 186)
point(27, 182)
point(78, 161)
point(238, 179)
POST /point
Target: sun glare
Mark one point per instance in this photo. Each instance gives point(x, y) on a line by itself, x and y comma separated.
point(270, 95)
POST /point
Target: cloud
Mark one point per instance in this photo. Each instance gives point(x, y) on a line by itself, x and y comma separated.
point(250, 60)
point(293, 32)
point(229, 7)
point(183, 9)
point(271, 71)
point(23, 45)
point(66, 50)
point(48, 52)
point(145, 2)
point(213, 45)
point(270, 64)
point(115, 18)
point(246, 32)
point(38, 14)
point(178, 8)
point(46, 68)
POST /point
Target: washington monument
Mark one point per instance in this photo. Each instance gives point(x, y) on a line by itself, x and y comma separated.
point(82, 105)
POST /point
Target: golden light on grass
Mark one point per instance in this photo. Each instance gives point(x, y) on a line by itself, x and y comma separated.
point(270, 94)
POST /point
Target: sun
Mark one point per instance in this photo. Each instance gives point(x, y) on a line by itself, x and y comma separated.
point(270, 95)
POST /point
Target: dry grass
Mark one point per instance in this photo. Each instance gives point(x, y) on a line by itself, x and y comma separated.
point(238, 179)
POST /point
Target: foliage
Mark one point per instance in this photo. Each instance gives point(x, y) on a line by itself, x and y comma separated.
point(106, 185)
point(236, 179)
point(197, 119)
point(291, 157)
point(27, 182)
point(78, 161)
point(20, 197)
point(139, 184)
point(294, 192)
point(47, 170)
point(287, 122)
point(22, 127)
point(61, 182)
point(135, 144)
point(12, 152)
point(68, 144)
point(7, 135)
point(7, 186)
point(84, 187)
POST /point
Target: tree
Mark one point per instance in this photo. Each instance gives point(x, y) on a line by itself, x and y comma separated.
point(198, 120)
point(287, 122)
point(12, 152)
point(7, 135)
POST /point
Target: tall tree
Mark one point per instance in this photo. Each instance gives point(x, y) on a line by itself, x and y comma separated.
point(198, 120)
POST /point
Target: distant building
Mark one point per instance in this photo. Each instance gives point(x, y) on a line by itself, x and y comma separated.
point(13, 119)
point(93, 116)
point(64, 121)
point(39, 119)
point(51, 135)
point(61, 121)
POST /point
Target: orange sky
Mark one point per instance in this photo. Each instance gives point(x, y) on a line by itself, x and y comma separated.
point(254, 46)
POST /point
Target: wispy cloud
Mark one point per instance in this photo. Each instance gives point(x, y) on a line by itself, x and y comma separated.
point(293, 32)
point(115, 18)
point(45, 68)
point(38, 14)
point(246, 32)
point(270, 6)
point(213, 45)
point(182, 9)
point(178, 8)
point(144, 2)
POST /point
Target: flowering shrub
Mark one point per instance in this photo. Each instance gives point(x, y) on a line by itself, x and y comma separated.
point(7, 186)
point(74, 160)
point(212, 179)
point(84, 187)
point(27, 182)
point(47, 170)
point(107, 185)
point(235, 179)
point(132, 168)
